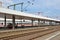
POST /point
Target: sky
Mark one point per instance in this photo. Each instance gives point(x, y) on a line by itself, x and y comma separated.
point(48, 8)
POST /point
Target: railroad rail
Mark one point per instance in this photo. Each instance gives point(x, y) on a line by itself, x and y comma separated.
point(31, 33)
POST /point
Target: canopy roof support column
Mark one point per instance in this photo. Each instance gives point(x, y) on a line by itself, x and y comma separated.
point(43, 22)
point(38, 22)
point(13, 20)
point(21, 22)
point(50, 23)
point(59, 23)
point(5, 20)
point(32, 22)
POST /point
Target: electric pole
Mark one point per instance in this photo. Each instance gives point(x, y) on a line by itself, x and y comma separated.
point(14, 5)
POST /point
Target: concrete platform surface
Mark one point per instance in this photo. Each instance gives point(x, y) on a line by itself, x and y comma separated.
point(52, 36)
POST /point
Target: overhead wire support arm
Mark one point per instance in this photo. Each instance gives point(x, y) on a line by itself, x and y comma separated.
point(14, 5)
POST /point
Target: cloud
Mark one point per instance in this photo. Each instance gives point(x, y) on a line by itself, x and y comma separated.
point(53, 3)
point(6, 2)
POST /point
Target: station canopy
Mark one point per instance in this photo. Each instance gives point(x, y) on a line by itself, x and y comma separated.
point(21, 15)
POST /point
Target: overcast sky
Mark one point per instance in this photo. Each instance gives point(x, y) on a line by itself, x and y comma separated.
point(49, 8)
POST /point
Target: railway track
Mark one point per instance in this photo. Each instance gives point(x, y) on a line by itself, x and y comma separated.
point(56, 28)
point(43, 33)
point(28, 34)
